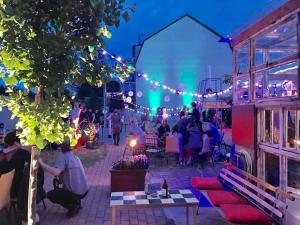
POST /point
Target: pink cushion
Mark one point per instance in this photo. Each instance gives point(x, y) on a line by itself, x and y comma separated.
point(225, 197)
point(244, 214)
point(206, 183)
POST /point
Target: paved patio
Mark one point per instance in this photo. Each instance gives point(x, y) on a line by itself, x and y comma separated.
point(96, 206)
point(96, 209)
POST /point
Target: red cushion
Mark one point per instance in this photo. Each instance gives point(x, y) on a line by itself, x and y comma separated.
point(206, 183)
point(225, 197)
point(244, 214)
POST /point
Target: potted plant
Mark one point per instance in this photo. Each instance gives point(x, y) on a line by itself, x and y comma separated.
point(128, 174)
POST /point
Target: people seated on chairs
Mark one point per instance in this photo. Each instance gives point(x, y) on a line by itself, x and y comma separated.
point(162, 130)
point(182, 125)
point(17, 157)
point(71, 174)
point(137, 131)
point(176, 133)
point(194, 141)
point(211, 131)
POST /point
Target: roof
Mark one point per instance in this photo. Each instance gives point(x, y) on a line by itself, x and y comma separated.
point(266, 21)
point(174, 22)
point(180, 18)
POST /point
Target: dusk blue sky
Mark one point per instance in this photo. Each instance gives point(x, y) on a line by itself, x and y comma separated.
point(224, 16)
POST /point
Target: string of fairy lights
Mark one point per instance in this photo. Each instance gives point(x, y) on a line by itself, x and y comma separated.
point(174, 110)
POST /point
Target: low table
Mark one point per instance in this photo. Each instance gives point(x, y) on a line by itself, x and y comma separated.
point(139, 199)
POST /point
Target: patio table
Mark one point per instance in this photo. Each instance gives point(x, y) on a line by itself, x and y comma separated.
point(140, 199)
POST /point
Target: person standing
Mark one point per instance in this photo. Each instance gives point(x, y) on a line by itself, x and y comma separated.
point(116, 126)
point(195, 112)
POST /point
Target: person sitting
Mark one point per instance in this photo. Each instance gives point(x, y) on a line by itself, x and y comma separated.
point(178, 135)
point(71, 174)
point(194, 141)
point(18, 158)
point(182, 125)
point(163, 130)
point(212, 131)
point(137, 131)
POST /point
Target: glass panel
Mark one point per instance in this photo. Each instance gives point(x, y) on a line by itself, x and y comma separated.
point(278, 43)
point(282, 81)
point(267, 126)
point(242, 89)
point(276, 123)
point(272, 169)
point(259, 85)
point(291, 129)
point(243, 58)
point(293, 173)
point(259, 56)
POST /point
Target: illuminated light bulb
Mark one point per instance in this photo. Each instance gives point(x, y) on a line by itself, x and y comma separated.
point(165, 87)
point(104, 52)
point(119, 59)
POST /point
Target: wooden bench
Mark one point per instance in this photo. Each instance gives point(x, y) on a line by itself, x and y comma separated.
point(261, 195)
point(251, 201)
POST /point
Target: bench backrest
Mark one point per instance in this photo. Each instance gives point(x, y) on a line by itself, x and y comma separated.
point(260, 193)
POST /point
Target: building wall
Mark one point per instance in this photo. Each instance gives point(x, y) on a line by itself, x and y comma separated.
point(5, 117)
point(179, 56)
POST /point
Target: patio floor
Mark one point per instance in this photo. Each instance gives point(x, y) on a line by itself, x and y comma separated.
point(96, 206)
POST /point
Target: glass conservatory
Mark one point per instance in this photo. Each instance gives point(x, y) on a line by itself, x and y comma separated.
point(266, 82)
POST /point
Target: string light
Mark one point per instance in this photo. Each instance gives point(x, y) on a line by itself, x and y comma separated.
point(166, 87)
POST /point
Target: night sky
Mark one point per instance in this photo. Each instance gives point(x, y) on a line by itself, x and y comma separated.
point(224, 16)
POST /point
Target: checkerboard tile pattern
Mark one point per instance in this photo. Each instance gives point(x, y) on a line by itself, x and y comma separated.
point(141, 198)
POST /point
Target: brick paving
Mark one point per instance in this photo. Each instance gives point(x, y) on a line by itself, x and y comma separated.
point(96, 209)
point(96, 206)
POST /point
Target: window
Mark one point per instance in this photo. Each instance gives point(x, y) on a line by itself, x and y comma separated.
point(276, 127)
point(282, 80)
point(279, 43)
point(272, 169)
point(271, 130)
point(242, 89)
point(268, 126)
point(243, 58)
point(279, 81)
point(294, 174)
point(291, 129)
point(259, 85)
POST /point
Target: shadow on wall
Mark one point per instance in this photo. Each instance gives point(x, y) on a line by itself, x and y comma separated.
point(5, 117)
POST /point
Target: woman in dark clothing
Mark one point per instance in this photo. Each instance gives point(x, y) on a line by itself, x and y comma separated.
point(194, 143)
point(163, 130)
point(116, 126)
point(18, 159)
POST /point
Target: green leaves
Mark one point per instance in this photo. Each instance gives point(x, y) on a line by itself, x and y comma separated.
point(48, 44)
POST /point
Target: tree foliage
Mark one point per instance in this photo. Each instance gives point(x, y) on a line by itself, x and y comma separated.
point(48, 44)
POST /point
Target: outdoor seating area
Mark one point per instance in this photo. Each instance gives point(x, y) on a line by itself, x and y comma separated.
point(121, 112)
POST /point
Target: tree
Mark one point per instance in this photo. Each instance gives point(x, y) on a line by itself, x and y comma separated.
point(47, 44)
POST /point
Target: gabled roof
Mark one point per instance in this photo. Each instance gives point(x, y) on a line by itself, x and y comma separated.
point(182, 17)
point(190, 17)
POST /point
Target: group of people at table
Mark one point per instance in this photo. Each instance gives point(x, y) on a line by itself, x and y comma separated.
point(190, 130)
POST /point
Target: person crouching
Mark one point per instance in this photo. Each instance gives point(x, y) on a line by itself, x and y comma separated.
point(71, 174)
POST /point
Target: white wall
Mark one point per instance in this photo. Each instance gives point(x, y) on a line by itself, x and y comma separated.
point(178, 56)
point(5, 117)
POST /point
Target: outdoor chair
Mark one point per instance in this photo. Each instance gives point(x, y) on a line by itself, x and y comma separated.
point(152, 146)
point(173, 145)
point(5, 184)
point(207, 149)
